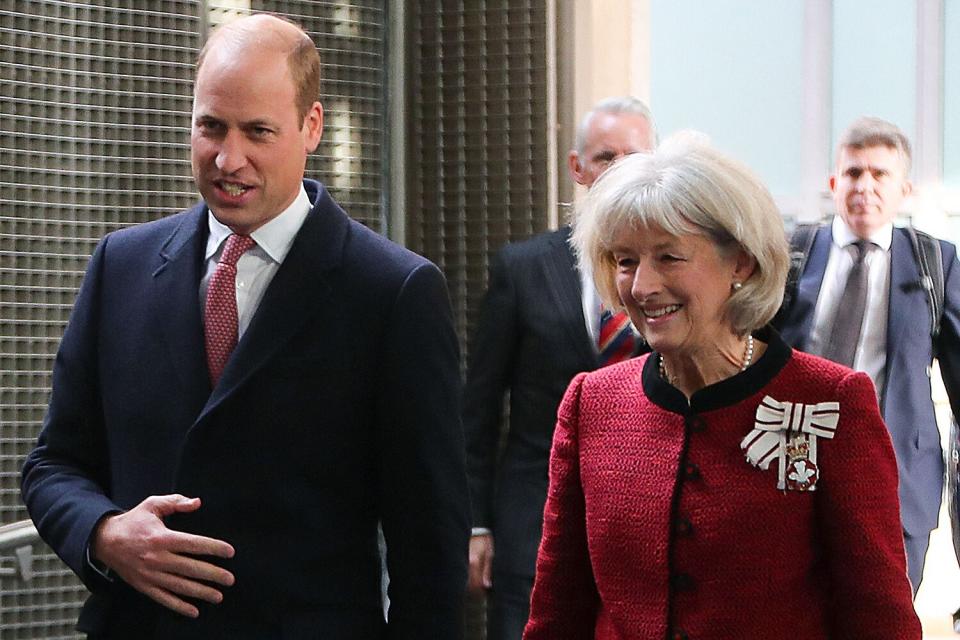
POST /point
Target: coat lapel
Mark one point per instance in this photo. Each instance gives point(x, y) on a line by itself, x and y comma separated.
point(177, 303)
point(298, 289)
point(563, 281)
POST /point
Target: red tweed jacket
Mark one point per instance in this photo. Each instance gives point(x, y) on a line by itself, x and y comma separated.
point(656, 525)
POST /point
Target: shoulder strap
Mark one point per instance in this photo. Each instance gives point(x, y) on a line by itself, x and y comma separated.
point(801, 242)
point(929, 256)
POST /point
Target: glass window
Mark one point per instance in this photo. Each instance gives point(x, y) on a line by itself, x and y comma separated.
point(732, 69)
point(874, 63)
point(951, 95)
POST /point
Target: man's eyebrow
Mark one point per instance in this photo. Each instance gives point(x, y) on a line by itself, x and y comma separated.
point(260, 122)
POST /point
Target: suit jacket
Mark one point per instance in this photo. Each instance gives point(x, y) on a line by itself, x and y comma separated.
point(905, 399)
point(531, 339)
point(337, 409)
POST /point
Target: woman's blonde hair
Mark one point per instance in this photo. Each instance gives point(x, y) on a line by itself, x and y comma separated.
point(688, 187)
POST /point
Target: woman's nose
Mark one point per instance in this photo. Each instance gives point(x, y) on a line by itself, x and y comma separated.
point(645, 283)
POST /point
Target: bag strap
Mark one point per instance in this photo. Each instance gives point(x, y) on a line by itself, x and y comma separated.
point(929, 256)
point(801, 242)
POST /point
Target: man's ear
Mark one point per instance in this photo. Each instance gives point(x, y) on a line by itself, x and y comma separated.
point(313, 127)
point(907, 188)
point(833, 184)
point(574, 166)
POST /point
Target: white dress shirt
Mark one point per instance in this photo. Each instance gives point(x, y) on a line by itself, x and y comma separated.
point(590, 299)
point(256, 267)
point(872, 349)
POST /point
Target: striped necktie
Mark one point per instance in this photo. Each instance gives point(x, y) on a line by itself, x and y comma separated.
point(617, 341)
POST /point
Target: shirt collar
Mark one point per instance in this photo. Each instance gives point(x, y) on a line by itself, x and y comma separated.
point(842, 235)
point(275, 237)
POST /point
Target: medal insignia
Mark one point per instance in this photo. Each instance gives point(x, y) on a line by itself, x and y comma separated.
point(788, 432)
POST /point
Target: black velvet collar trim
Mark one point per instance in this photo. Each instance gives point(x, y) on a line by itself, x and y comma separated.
point(724, 393)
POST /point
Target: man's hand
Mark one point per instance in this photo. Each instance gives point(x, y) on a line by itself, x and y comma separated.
point(481, 563)
point(157, 561)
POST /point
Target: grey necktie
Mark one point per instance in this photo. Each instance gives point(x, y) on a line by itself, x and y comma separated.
point(845, 330)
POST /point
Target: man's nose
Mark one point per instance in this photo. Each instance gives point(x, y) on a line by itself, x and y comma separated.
point(232, 155)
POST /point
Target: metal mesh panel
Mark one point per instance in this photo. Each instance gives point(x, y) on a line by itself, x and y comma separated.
point(476, 145)
point(477, 139)
point(94, 136)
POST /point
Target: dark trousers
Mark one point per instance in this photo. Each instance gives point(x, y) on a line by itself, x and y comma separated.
point(508, 606)
point(916, 547)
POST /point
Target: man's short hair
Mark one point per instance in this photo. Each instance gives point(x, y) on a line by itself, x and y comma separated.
point(870, 131)
point(304, 63)
point(614, 105)
point(303, 60)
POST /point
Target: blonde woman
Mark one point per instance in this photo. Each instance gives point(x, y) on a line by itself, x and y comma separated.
point(723, 486)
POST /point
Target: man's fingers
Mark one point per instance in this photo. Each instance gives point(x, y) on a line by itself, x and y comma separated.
point(166, 505)
point(488, 571)
point(172, 602)
point(169, 588)
point(182, 587)
point(198, 545)
point(481, 560)
point(474, 579)
point(195, 569)
point(173, 578)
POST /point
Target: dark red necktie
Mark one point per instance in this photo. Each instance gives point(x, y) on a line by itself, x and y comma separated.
point(617, 342)
point(220, 316)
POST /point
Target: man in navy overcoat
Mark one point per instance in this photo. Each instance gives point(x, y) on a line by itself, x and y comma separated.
point(196, 502)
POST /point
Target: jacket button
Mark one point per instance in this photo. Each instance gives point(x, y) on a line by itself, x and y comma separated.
point(691, 471)
point(682, 582)
point(678, 634)
point(696, 424)
point(683, 527)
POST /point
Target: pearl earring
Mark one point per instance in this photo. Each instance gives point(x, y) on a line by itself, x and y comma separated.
point(737, 286)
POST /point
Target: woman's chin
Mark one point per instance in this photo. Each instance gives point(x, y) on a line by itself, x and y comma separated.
point(661, 346)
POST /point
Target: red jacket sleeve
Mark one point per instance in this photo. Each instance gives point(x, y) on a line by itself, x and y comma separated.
point(859, 515)
point(564, 600)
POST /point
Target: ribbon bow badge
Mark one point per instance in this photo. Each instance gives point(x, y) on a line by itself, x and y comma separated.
point(788, 431)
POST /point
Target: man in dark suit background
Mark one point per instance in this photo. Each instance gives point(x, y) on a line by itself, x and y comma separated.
point(882, 324)
point(540, 324)
point(206, 490)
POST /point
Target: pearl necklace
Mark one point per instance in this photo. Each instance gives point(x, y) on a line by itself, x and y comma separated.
point(747, 360)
